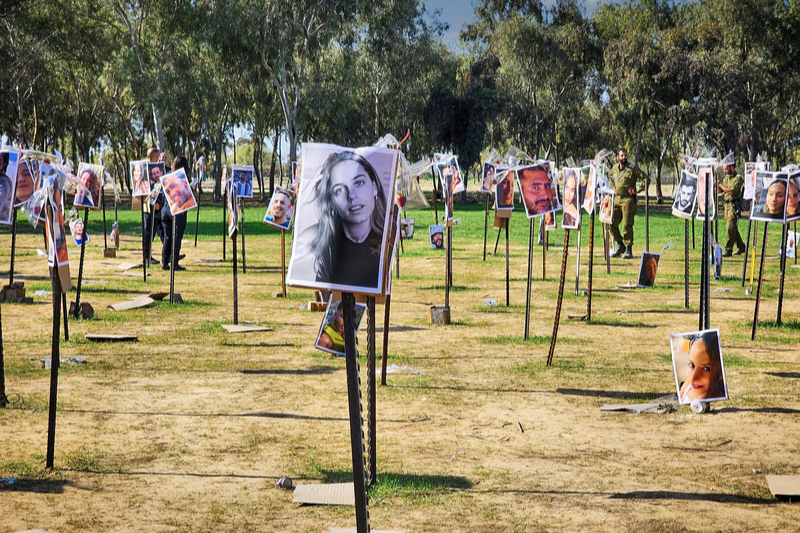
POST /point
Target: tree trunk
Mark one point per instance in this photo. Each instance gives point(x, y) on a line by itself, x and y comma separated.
point(659, 194)
point(272, 163)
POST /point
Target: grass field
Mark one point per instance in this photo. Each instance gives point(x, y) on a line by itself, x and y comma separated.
point(188, 429)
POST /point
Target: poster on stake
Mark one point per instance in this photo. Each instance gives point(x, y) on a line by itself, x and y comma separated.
point(89, 182)
point(342, 218)
point(178, 191)
point(281, 209)
point(243, 180)
point(685, 200)
point(9, 160)
point(538, 189)
point(698, 366)
point(140, 179)
point(571, 217)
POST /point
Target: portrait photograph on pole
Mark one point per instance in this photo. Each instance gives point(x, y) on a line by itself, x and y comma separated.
point(436, 233)
point(770, 197)
point(342, 218)
point(89, 183)
point(178, 192)
point(590, 190)
point(538, 190)
point(648, 268)
point(140, 179)
point(706, 173)
point(571, 216)
point(9, 160)
point(698, 366)
point(243, 180)
point(26, 184)
point(685, 196)
point(331, 332)
point(504, 191)
point(407, 228)
point(750, 170)
point(281, 209)
point(793, 198)
point(606, 213)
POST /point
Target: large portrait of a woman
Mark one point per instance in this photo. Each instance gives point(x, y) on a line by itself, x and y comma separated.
point(89, 185)
point(140, 181)
point(342, 218)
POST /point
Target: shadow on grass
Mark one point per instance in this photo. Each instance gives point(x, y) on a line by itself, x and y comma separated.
point(788, 375)
point(454, 288)
point(400, 329)
point(785, 325)
point(281, 416)
point(765, 410)
point(612, 394)
point(691, 496)
point(620, 324)
point(40, 486)
point(314, 371)
point(392, 484)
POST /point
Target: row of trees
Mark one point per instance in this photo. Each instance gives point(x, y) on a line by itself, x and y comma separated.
point(659, 77)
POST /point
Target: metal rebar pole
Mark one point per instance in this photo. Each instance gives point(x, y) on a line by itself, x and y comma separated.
point(283, 262)
point(372, 413)
point(385, 352)
point(746, 250)
point(235, 283)
point(244, 259)
point(485, 227)
point(80, 266)
point(591, 266)
point(3, 397)
point(224, 224)
point(497, 241)
point(578, 261)
point(13, 245)
point(65, 315)
point(508, 272)
point(145, 255)
point(686, 264)
point(530, 282)
point(647, 214)
point(785, 240)
point(709, 254)
point(560, 298)
point(760, 281)
point(103, 207)
point(172, 259)
point(355, 412)
point(197, 215)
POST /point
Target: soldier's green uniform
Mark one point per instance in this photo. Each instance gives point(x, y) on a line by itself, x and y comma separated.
point(624, 202)
point(732, 212)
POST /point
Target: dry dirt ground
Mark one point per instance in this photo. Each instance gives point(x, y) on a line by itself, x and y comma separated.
point(188, 429)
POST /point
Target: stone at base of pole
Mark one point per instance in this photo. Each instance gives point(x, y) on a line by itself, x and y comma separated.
point(86, 311)
point(109, 252)
point(278, 294)
point(439, 314)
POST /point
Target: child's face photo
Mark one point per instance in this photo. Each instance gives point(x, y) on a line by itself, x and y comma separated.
point(699, 370)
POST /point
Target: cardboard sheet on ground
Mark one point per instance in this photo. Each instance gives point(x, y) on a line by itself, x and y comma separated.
point(128, 266)
point(786, 486)
point(661, 405)
point(97, 337)
point(231, 328)
point(136, 303)
point(330, 494)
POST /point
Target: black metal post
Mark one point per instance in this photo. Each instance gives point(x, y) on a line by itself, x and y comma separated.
point(372, 412)
point(13, 245)
point(591, 266)
point(145, 255)
point(760, 281)
point(686, 263)
point(508, 278)
point(785, 239)
point(3, 398)
point(80, 266)
point(244, 259)
point(530, 282)
point(385, 352)
point(103, 207)
point(197, 215)
point(172, 259)
point(647, 214)
point(283, 262)
point(356, 421)
point(224, 224)
point(485, 227)
point(235, 283)
point(65, 313)
point(746, 250)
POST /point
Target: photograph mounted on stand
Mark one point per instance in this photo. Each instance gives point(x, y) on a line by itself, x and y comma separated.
point(26, 184)
point(178, 192)
point(590, 190)
point(750, 170)
point(571, 216)
point(538, 189)
point(331, 332)
point(9, 160)
point(243, 180)
point(606, 213)
point(770, 197)
point(342, 218)
point(686, 196)
point(78, 231)
point(706, 173)
point(140, 179)
point(504, 191)
point(698, 366)
point(281, 209)
point(406, 228)
point(90, 180)
point(648, 268)
point(436, 233)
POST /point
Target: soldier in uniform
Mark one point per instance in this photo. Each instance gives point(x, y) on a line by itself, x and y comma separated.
point(732, 185)
point(623, 178)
